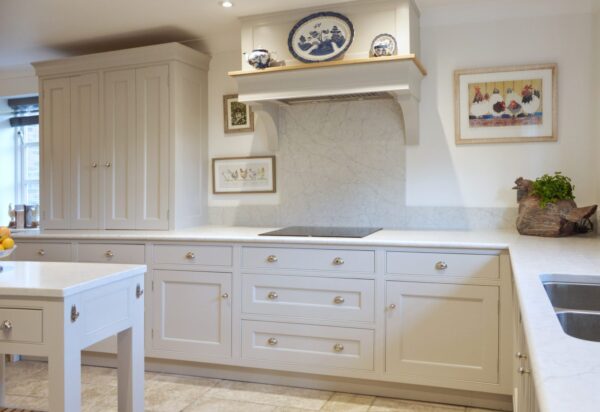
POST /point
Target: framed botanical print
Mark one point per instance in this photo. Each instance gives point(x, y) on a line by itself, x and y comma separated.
point(506, 104)
point(238, 116)
point(254, 174)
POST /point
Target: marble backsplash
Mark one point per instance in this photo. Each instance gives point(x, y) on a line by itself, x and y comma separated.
point(343, 164)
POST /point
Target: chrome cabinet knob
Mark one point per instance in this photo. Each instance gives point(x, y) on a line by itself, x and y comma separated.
point(138, 291)
point(41, 252)
point(271, 258)
point(520, 355)
point(392, 306)
point(272, 341)
point(109, 254)
point(441, 265)
point(190, 255)
point(94, 165)
point(523, 371)
point(225, 295)
point(272, 295)
point(107, 164)
point(338, 300)
point(6, 325)
point(338, 261)
point(338, 347)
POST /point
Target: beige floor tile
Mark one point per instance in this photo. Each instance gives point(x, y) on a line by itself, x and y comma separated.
point(290, 409)
point(481, 410)
point(223, 405)
point(284, 396)
point(347, 402)
point(98, 376)
point(25, 386)
point(174, 393)
point(26, 402)
point(398, 405)
point(30, 369)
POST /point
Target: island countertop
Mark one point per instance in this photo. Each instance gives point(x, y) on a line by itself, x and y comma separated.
point(566, 370)
point(58, 280)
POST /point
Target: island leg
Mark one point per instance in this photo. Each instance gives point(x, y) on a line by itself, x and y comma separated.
point(2, 379)
point(64, 379)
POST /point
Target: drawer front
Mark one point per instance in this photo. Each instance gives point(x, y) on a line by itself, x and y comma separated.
point(193, 255)
point(309, 259)
point(111, 253)
point(43, 252)
point(323, 346)
point(20, 325)
point(447, 264)
point(309, 297)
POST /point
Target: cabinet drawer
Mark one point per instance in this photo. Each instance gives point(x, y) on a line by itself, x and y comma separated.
point(111, 253)
point(309, 297)
point(309, 259)
point(193, 255)
point(447, 264)
point(46, 252)
point(20, 325)
point(323, 346)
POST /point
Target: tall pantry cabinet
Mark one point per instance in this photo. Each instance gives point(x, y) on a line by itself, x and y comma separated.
point(123, 139)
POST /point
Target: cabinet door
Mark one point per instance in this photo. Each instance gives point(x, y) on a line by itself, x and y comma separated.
point(84, 152)
point(192, 313)
point(55, 153)
point(119, 142)
point(152, 94)
point(442, 331)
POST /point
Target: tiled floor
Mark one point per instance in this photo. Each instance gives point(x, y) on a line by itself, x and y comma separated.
point(27, 387)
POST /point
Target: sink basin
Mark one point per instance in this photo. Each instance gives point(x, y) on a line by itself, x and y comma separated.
point(575, 296)
point(581, 325)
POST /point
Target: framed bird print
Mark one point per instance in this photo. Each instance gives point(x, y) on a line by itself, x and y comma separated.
point(506, 104)
point(254, 174)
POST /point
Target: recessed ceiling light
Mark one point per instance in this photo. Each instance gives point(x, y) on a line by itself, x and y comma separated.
point(227, 4)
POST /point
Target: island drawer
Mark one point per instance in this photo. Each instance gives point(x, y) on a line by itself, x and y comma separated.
point(446, 264)
point(308, 259)
point(43, 252)
point(201, 255)
point(111, 253)
point(20, 325)
point(323, 346)
point(309, 297)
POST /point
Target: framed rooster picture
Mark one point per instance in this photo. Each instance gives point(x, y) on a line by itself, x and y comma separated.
point(506, 104)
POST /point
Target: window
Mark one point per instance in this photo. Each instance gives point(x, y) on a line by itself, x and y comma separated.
point(28, 164)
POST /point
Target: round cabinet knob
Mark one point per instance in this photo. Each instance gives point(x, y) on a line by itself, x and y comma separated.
point(225, 295)
point(523, 371)
point(272, 341)
point(94, 165)
point(107, 164)
point(272, 295)
point(392, 306)
point(6, 325)
point(109, 254)
point(441, 265)
point(41, 252)
point(272, 259)
point(338, 347)
point(190, 255)
point(338, 300)
point(520, 355)
point(338, 261)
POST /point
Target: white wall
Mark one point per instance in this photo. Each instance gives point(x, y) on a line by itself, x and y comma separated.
point(17, 81)
point(596, 70)
point(7, 162)
point(441, 173)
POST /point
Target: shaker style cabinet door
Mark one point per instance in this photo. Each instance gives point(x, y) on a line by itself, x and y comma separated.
point(85, 107)
point(119, 147)
point(152, 165)
point(442, 331)
point(55, 140)
point(192, 313)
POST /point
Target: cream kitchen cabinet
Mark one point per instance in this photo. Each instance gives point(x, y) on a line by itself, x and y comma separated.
point(122, 139)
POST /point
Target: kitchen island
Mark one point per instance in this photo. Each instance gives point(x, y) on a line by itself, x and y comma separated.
point(55, 310)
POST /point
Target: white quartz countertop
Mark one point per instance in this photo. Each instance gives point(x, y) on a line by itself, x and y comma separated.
point(566, 370)
point(58, 280)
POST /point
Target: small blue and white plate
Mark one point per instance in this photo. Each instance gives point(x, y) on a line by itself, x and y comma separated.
point(321, 37)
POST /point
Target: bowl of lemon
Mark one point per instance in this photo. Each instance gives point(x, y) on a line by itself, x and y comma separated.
point(7, 243)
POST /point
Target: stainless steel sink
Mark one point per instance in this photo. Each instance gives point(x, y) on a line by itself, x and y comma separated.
point(581, 325)
point(577, 307)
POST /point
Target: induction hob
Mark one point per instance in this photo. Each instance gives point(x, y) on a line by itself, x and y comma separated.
point(323, 231)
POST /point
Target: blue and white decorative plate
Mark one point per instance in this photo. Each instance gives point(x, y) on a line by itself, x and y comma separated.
point(321, 37)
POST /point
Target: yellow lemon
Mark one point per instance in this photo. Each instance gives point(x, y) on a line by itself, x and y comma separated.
point(1, 247)
point(4, 233)
point(8, 243)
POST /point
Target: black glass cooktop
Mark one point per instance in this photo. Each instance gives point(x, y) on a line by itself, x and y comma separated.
point(323, 231)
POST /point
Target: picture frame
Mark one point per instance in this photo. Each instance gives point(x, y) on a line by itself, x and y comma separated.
point(515, 104)
point(252, 174)
point(237, 117)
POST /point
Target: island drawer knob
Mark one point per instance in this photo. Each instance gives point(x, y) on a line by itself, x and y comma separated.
point(521, 355)
point(338, 261)
point(41, 252)
point(338, 347)
point(94, 165)
point(272, 295)
point(272, 341)
point(522, 370)
point(190, 255)
point(138, 291)
point(338, 300)
point(107, 164)
point(392, 306)
point(74, 313)
point(109, 254)
point(225, 295)
point(272, 259)
point(7, 325)
point(441, 265)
